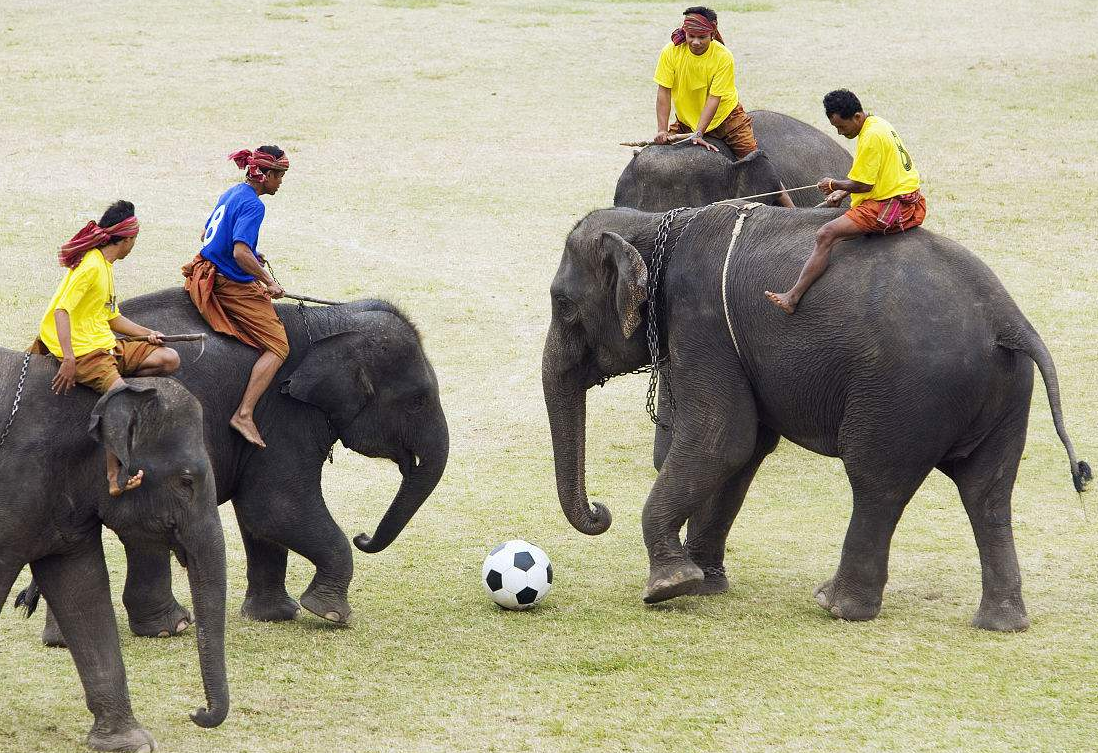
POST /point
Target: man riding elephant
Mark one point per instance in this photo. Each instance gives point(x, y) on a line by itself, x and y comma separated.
point(696, 72)
point(938, 373)
point(82, 319)
point(228, 283)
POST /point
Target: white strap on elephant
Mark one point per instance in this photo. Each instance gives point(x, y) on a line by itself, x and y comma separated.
point(744, 211)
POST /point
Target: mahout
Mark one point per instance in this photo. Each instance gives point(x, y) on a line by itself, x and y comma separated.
point(908, 355)
point(662, 177)
point(357, 374)
point(54, 504)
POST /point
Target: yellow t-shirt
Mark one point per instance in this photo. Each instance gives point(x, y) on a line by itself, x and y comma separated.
point(692, 78)
point(87, 293)
point(882, 161)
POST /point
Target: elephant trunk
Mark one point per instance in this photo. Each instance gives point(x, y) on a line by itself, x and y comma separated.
point(205, 548)
point(566, 403)
point(419, 480)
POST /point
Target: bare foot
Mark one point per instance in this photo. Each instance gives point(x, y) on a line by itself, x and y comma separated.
point(133, 483)
point(782, 301)
point(247, 427)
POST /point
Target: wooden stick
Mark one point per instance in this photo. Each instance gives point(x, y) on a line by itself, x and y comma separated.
point(310, 299)
point(164, 338)
point(672, 139)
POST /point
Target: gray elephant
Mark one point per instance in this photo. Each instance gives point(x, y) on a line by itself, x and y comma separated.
point(908, 355)
point(54, 503)
point(659, 178)
point(357, 373)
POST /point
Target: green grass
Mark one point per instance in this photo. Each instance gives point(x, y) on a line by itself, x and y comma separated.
point(411, 181)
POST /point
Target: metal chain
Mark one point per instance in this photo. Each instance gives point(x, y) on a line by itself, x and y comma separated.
point(18, 397)
point(653, 333)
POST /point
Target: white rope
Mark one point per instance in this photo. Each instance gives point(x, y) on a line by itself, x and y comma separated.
point(744, 210)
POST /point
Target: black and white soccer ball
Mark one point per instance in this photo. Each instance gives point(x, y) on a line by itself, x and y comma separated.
point(517, 574)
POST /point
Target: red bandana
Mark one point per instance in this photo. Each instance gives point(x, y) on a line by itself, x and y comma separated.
point(92, 236)
point(695, 23)
point(257, 162)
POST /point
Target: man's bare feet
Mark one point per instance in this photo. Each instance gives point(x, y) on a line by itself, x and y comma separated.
point(782, 301)
point(133, 483)
point(246, 426)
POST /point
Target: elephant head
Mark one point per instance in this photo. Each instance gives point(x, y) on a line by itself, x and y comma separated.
point(659, 178)
point(156, 425)
point(371, 377)
point(596, 330)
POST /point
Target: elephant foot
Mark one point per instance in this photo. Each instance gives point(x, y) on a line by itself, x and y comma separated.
point(681, 579)
point(279, 609)
point(331, 608)
point(1005, 615)
point(177, 620)
point(841, 603)
point(134, 740)
point(715, 581)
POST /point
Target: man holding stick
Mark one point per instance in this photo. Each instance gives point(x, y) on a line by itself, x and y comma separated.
point(696, 72)
point(228, 283)
point(80, 323)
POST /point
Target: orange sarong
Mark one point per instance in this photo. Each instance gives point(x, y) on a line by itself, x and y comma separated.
point(239, 309)
point(735, 130)
point(889, 216)
point(101, 368)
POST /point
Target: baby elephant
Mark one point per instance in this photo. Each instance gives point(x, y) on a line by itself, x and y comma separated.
point(53, 503)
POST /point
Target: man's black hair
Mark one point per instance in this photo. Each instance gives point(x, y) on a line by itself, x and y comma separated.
point(115, 213)
point(272, 150)
point(701, 10)
point(842, 102)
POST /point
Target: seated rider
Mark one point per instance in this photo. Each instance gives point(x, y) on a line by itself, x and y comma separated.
point(80, 324)
point(697, 73)
point(883, 186)
point(229, 284)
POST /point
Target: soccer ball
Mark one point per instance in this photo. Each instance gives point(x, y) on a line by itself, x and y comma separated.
point(517, 574)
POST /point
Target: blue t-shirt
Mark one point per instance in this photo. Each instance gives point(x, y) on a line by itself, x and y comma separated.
point(237, 217)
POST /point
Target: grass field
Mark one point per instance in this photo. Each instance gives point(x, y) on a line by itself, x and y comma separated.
point(440, 152)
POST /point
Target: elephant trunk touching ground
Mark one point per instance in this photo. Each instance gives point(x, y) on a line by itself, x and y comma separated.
point(205, 547)
point(566, 402)
point(421, 472)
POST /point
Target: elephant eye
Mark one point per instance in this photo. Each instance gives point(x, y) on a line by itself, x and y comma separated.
point(417, 403)
point(566, 308)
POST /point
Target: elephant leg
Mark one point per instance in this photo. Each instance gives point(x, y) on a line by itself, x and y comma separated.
point(707, 529)
point(78, 590)
point(8, 574)
point(51, 631)
point(151, 606)
point(713, 439)
point(985, 480)
point(881, 492)
point(309, 530)
point(266, 599)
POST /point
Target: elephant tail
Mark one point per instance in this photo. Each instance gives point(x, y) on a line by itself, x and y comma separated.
point(28, 598)
point(1025, 339)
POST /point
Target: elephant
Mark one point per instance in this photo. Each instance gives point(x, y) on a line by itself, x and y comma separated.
point(356, 373)
point(54, 503)
point(662, 177)
point(908, 355)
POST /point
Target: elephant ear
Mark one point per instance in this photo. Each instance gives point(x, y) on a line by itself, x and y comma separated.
point(329, 378)
point(116, 417)
point(628, 274)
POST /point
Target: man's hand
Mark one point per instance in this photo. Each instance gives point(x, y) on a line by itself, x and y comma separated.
point(65, 377)
point(699, 140)
point(835, 198)
point(275, 290)
point(663, 137)
point(155, 337)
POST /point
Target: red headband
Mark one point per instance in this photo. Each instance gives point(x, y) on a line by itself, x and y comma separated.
point(92, 236)
point(695, 23)
point(257, 162)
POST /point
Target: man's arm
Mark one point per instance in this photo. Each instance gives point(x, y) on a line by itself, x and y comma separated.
point(838, 189)
point(663, 113)
point(65, 377)
point(124, 326)
point(712, 102)
point(247, 261)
